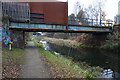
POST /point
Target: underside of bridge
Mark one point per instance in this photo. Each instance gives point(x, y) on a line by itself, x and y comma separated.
point(18, 37)
point(57, 31)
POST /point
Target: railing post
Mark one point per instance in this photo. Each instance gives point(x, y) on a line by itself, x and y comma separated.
point(108, 22)
point(100, 22)
point(92, 22)
point(66, 26)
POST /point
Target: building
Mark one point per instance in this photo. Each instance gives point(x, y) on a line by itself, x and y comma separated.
point(119, 8)
point(52, 12)
point(47, 12)
point(118, 17)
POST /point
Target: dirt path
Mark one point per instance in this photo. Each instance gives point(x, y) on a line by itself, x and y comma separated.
point(34, 66)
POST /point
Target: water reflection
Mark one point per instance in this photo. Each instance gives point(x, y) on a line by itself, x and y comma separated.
point(106, 59)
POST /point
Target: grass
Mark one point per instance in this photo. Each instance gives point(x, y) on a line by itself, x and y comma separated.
point(66, 66)
point(12, 62)
point(16, 53)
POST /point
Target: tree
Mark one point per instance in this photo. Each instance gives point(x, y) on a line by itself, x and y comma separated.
point(77, 7)
point(96, 10)
point(80, 14)
point(82, 17)
point(71, 18)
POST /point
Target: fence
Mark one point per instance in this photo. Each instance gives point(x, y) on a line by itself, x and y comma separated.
point(88, 21)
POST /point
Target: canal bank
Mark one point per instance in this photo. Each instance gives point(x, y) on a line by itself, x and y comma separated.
point(75, 44)
point(67, 42)
point(106, 59)
point(65, 67)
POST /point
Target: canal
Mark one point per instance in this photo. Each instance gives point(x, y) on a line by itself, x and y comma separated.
point(109, 60)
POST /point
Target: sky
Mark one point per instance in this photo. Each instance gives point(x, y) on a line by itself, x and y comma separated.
point(110, 6)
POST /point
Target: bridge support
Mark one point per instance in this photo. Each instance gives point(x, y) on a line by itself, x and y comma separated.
point(13, 35)
point(98, 38)
point(92, 38)
point(18, 38)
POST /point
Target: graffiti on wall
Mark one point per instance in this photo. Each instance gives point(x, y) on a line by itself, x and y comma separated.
point(0, 33)
point(0, 37)
point(5, 35)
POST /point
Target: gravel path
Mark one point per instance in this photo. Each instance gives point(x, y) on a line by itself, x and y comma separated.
point(35, 67)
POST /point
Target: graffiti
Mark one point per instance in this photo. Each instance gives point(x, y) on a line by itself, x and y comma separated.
point(0, 38)
point(11, 35)
point(5, 35)
point(0, 33)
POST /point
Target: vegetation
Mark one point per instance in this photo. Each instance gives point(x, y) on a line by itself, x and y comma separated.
point(65, 68)
point(110, 45)
point(12, 62)
point(75, 44)
point(5, 18)
point(94, 11)
point(69, 43)
point(113, 39)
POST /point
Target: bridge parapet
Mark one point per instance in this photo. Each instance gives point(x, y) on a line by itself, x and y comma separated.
point(91, 28)
point(58, 27)
point(36, 25)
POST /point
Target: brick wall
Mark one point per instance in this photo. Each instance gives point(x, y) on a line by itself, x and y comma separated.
point(18, 38)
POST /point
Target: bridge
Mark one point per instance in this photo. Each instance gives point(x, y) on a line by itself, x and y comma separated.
point(19, 18)
point(45, 27)
point(24, 19)
point(74, 25)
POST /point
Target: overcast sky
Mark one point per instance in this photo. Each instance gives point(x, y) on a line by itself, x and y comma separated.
point(110, 6)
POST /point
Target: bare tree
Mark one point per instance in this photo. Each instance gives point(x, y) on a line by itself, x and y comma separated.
point(77, 7)
point(96, 11)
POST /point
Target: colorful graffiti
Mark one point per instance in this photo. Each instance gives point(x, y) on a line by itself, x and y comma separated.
point(14, 36)
point(1, 29)
point(0, 33)
point(0, 38)
point(5, 35)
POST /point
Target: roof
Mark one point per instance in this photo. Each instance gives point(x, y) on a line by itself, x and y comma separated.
point(30, 1)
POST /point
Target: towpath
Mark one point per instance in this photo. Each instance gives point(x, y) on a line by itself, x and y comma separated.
point(35, 66)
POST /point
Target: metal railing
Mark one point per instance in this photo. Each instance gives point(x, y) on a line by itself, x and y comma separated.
point(89, 22)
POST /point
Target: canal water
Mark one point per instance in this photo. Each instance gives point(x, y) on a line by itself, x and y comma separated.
point(109, 60)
